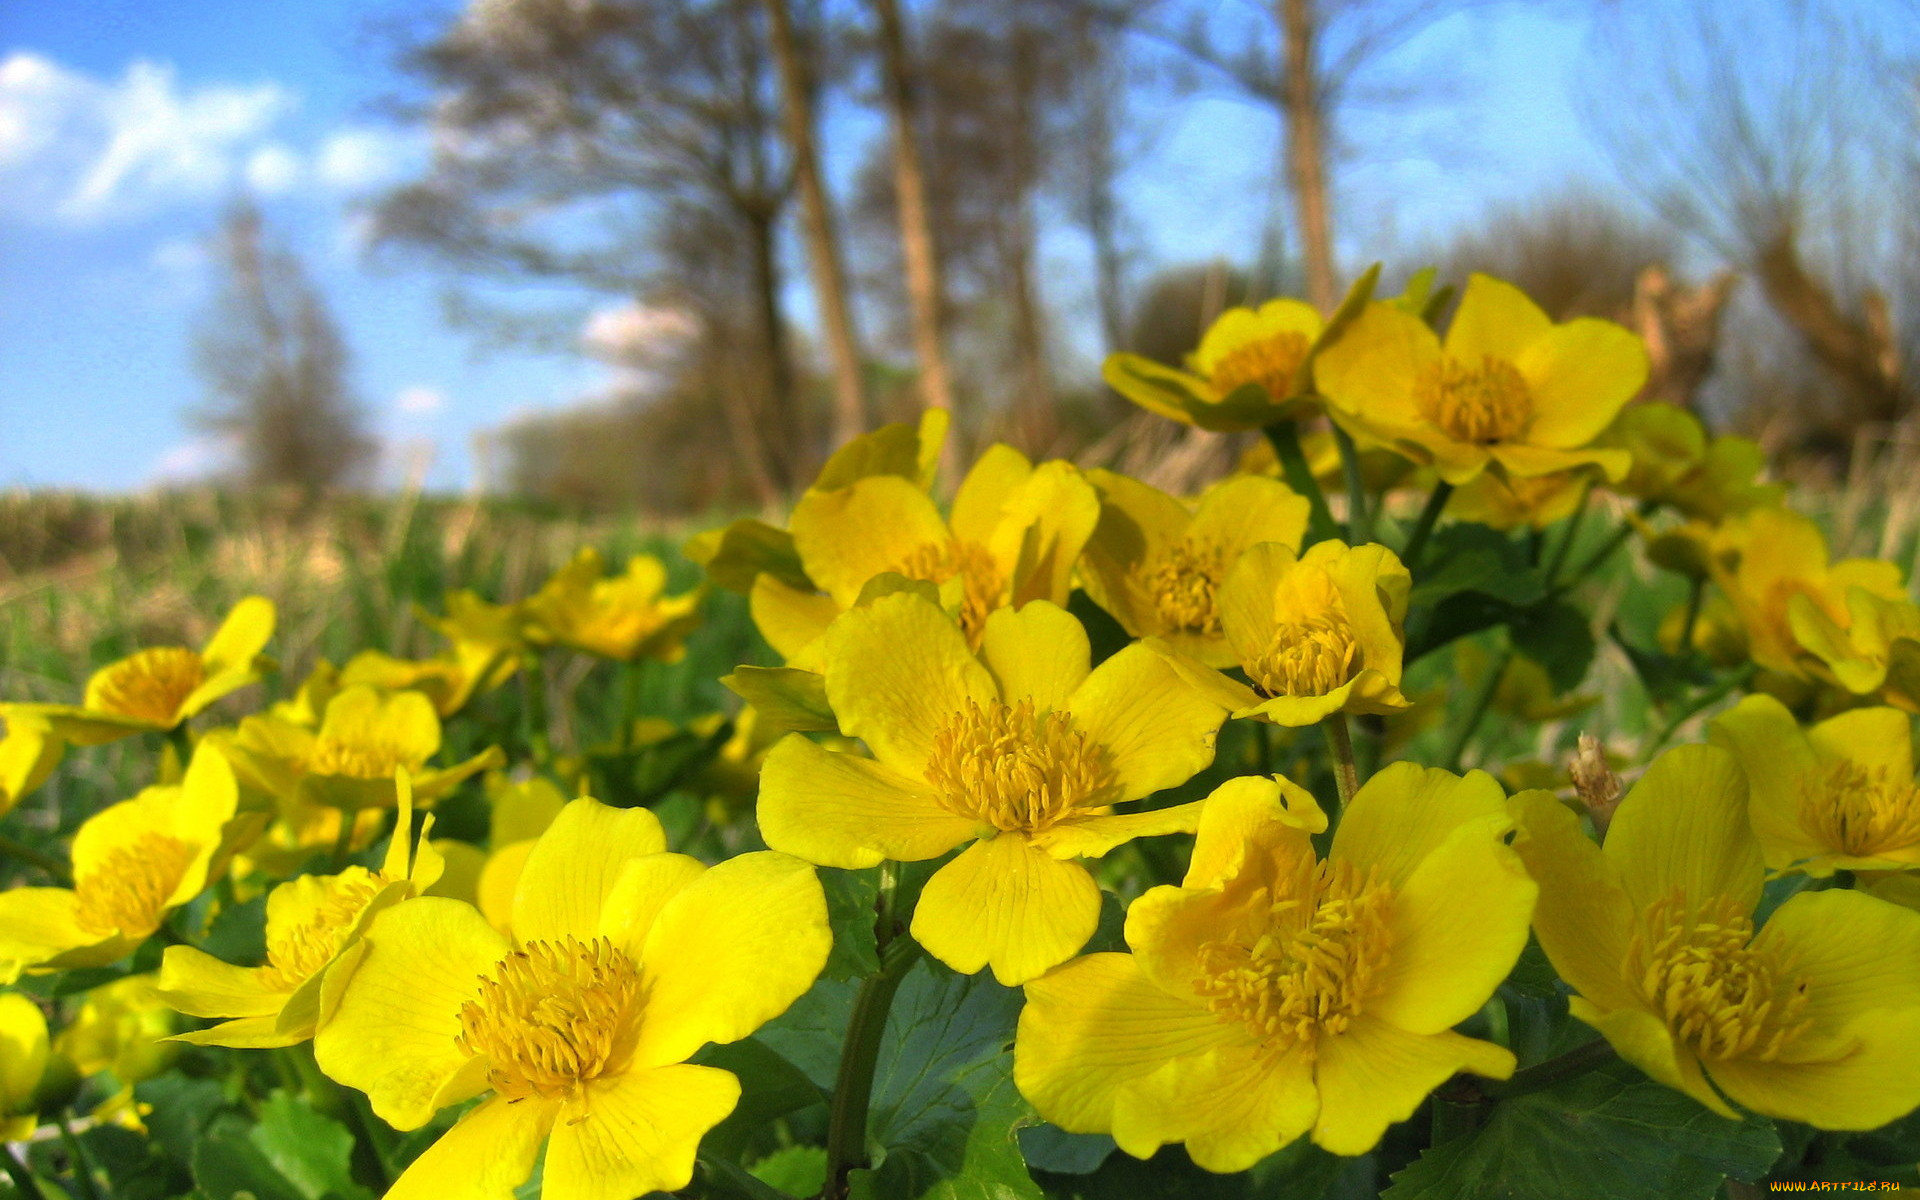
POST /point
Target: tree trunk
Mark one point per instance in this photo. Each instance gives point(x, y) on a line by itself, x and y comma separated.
point(925, 290)
point(823, 250)
point(1306, 150)
point(776, 441)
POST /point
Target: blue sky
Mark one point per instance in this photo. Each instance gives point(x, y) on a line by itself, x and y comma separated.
point(126, 125)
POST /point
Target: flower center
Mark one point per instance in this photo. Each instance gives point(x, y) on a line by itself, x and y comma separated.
point(151, 684)
point(128, 891)
point(362, 757)
point(1718, 993)
point(1860, 811)
point(1185, 584)
point(1012, 768)
point(297, 953)
point(1271, 362)
point(1310, 969)
point(982, 589)
point(1482, 403)
point(554, 1016)
point(1309, 657)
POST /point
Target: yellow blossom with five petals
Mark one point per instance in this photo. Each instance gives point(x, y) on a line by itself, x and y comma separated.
point(1274, 993)
point(1018, 754)
point(621, 961)
point(1507, 388)
point(1250, 370)
point(623, 617)
point(1813, 1016)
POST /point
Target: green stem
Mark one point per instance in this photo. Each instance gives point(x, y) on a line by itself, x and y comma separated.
point(23, 1180)
point(1695, 593)
point(533, 691)
point(1540, 1076)
point(629, 703)
point(1452, 1120)
point(46, 862)
point(1477, 711)
point(1359, 518)
point(1423, 527)
point(182, 743)
point(1592, 562)
point(343, 841)
point(1346, 775)
point(1565, 547)
point(853, 1087)
point(1284, 436)
point(82, 1165)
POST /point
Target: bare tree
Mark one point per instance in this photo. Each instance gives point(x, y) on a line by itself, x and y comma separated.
point(798, 89)
point(276, 366)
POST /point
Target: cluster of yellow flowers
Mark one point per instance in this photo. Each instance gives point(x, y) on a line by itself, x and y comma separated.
point(948, 696)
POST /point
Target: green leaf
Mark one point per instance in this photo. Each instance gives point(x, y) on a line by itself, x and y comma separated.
point(793, 1170)
point(733, 556)
point(308, 1149)
point(944, 1115)
point(785, 697)
point(182, 1110)
point(1559, 638)
point(770, 1088)
point(239, 933)
point(1106, 635)
point(228, 1166)
point(134, 1167)
point(850, 911)
point(1474, 558)
point(1051, 1148)
point(1612, 1132)
point(810, 1032)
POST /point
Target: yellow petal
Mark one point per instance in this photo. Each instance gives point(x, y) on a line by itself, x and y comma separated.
point(841, 810)
point(573, 866)
point(1037, 651)
point(1644, 1040)
point(499, 879)
point(1875, 738)
point(521, 811)
point(241, 636)
point(1876, 1081)
point(1245, 510)
point(636, 1133)
point(1156, 387)
point(23, 1052)
point(1007, 904)
point(1232, 1106)
point(1583, 917)
point(1859, 955)
point(1406, 812)
point(898, 671)
point(40, 925)
point(394, 1034)
point(1091, 837)
point(787, 617)
point(1158, 730)
point(1043, 528)
point(485, 1156)
point(1496, 320)
point(1580, 374)
point(198, 984)
point(847, 536)
point(644, 887)
point(1685, 825)
point(1096, 1025)
point(1458, 925)
point(1246, 600)
point(1138, 525)
point(983, 496)
point(1779, 762)
point(1373, 1074)
point(729, 952)
point(1249, 817)
point(1367, 373)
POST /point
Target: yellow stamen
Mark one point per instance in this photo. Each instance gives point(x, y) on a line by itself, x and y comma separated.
point(151, 684)
point(1482, 403)
point(1271, 362)
point(296, 954)
point(1013, 768)
point(1311, 967)
point(374, 757)
point(1860, 811)
point(1185, 586)
point(982, 588)
point(128, 891)
point(1718, 994)
point(1309, 657)
point(553, 1017)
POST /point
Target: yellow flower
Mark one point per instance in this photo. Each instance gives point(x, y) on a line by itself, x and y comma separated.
point(622, 960)
point(1507, 388)
point(1718, 634)
point(1814, 1018)
point(1876, 653)
point(449, 680)
point(157, 688)
point(1674, 463)
point(1158, 567)
point(1772, 563)
point(23, 1060)
point(1272, 993)
point(28, 754)
point(1014, 535)
point(1512, 502)
point(133, 863)
point(349, 763)
point(1250, 370)
point(311, 921)
point(1838, 796)
point(625, 617)
point(480, 631)
point(121, 1027)
point(1317, 634)
point(1021, 752)
point(520, 813)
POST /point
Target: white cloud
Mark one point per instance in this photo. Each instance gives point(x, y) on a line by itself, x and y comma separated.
point(273, 169)
point(636, 333)
point(420, 400)
point(190, 460)
point(354, 160)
